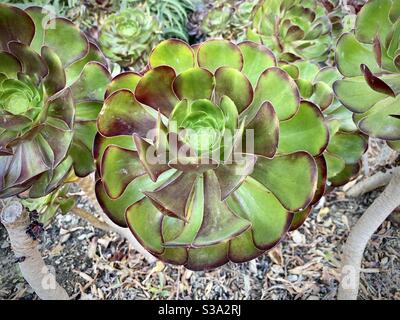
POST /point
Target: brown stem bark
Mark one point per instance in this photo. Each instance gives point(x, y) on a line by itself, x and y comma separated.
point(36, 273)
point(87, 186)
point(361, 233)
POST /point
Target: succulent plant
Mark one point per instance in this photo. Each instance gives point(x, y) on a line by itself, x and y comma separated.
point(342, 16)
point(126, 37)
point(88, 15)
point(293, 29)
point(346, 144)
point(172, 16)
point(58, 6)
point(48, 206)
point(217, 19)
point(52, 84)
point(227, 19)
point(176, 162)
point(369, 60)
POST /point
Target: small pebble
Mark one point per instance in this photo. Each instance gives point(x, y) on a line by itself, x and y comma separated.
point(292, 278)
point(82, 237)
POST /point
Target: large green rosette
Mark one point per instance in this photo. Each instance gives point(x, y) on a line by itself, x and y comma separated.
point(369, 60)
point(225, 198)
point(52, 85)
point(293, 29)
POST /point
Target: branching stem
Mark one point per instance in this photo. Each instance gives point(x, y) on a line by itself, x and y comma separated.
point(39, 276)
point(361, 233)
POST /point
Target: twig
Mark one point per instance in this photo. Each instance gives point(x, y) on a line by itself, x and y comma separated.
point(178, 283)
point(95, 222)
point(361, 233)
point(36, 273)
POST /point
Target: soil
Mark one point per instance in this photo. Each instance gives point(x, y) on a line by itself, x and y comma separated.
point(91, 264)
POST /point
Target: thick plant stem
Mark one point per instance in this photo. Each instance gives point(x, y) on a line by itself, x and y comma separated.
point(36, 273)
point(87, 186)
point(378, 180)
point(361, 233)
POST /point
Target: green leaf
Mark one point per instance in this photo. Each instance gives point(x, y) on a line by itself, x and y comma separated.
point(214, 54)
point(115, 208)
point(93, 55)
point(299, 217)
point(118, 168)
point(30, 164)
point(234, 84)
point(174, 53)
point(269, 219)
point(373, 19)
point(307, 70)
point(59, 141)
point(328, 75)
point(9, 65)
point(67, 205)
point(51, 180)
point(92, 83)
point(349, 146)
point(230, 176)
point(55, 81)
point(82, 157)
point(242, 248)
point(173, 197)
point(230, 111)
point(208, 257)
point(87, 111)
point(350, 54)
point(185, 234)
point(356, 94)
point(276, 86)
point(395, 145)
point(322, 178)
point(194, 83)
point(256, 58)
point(101, 143)
point(72, 46)
point(266, 132)
point(15, 24)
point(179, 113)
point(126, 80)
point(122, 114)
point(305, 131)
point(347, 174)
point(61, 106)
point(40, 17)
point(285, 173)
point(219, 222)
point(144, 220)
point(155, 89)
point(379, 123)
point(335, 164)
point(150, 160)
point(323, 95)
point(32, 63)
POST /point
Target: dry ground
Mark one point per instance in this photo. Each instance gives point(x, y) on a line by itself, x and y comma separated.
point(91, 264)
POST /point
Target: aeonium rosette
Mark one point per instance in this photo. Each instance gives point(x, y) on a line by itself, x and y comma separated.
point(369, 60)
point(292, 29)
point(346, 144)
point(190, 157)
point(52, 84)
point(126, 37)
